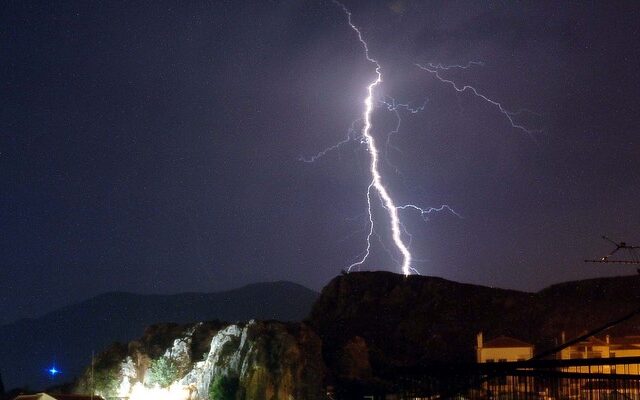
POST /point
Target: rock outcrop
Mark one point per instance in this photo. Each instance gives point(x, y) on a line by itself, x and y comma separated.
point(258, 360)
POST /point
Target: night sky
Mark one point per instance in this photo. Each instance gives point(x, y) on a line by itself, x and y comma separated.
point(154, 146)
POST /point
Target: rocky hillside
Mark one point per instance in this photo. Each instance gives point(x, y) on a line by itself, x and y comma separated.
point(372, 321)
point(257, 360)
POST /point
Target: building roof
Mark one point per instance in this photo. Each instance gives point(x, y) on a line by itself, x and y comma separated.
point(505, 341)
point(37, 396)
point(625, 340)
point(624, 346)
point(44, 396)
point(591, 341)
point(625, 343)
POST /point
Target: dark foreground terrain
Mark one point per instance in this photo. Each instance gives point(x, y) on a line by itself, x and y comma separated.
point(372, 321)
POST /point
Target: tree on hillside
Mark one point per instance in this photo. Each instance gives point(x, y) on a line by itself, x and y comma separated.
point(163, 371)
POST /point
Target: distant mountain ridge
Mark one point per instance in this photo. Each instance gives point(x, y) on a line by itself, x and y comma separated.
point(68, 336)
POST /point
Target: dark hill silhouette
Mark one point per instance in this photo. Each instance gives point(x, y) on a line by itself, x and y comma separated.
point(413, 320)
point(69, 335)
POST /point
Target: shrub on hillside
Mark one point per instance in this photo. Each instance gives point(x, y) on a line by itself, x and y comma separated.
point(223, 388)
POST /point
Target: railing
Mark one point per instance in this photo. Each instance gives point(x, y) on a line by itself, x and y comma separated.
point(591, 379)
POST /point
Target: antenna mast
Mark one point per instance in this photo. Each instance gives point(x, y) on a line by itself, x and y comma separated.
point(630, 254)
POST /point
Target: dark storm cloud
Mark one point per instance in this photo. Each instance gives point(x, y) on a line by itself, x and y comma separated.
point(154, 147)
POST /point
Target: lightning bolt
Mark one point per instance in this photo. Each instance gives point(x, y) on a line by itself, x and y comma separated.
point(351, 136)
point(424, 212)
point(456, 66)
point(434, 69)
point(395, 107)
point(376, 182)
point(376, 185)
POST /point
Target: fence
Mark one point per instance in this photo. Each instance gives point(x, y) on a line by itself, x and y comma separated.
point(591, 379)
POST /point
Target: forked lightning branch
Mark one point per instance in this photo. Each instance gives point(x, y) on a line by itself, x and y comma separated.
point(376, 187)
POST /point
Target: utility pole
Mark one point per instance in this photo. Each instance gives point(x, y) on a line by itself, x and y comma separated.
point(1, 387)
point(93, 385)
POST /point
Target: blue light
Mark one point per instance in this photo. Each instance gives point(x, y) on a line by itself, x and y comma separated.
point(53, 371)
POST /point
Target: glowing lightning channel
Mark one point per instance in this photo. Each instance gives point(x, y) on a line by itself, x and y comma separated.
point(397, 228)
point(424, 212)
point(435, 69)
point(376, 182)
point(393, 106)
point(351, 136)
point(456, 66)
